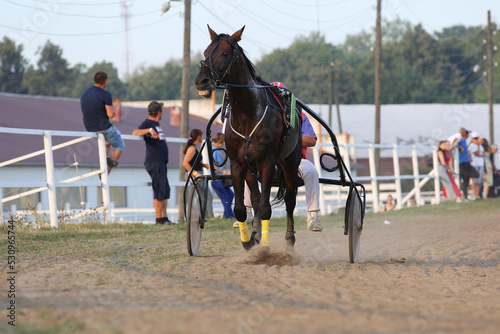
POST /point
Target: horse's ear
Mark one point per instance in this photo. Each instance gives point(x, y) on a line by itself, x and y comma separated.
point(237, 35)
point(213, 34)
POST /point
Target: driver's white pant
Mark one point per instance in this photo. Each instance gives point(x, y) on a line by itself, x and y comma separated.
point(311, 181)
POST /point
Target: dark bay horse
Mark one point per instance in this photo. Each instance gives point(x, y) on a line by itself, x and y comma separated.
point(258, 141)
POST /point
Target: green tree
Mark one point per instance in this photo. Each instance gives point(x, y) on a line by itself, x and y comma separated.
point(84, 78)
point(12, 66)
point(51, 76)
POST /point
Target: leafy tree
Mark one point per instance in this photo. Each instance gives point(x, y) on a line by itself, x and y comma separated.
point(84, 78)
point(12, 66)
point(51, 76)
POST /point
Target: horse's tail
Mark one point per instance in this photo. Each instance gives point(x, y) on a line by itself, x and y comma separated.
point(279, 181)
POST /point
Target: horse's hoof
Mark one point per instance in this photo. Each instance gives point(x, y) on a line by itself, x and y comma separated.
point(290, 239)
point(249, 244)
point(265, 249)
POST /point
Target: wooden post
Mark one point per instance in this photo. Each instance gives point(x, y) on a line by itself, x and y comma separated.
point(185, 100)
point(489, 51)
point(378, 48)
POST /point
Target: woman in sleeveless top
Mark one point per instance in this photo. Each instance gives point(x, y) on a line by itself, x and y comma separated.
point(190, 153)
point(449, 165)
point(450, 189)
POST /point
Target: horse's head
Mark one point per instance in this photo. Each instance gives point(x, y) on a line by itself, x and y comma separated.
point(221, 57)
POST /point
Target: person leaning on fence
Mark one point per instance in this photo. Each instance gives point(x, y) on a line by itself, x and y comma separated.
point(190, 153)
point(222, 187)
point(476, 151)
point(97, 108)
point(156, 159)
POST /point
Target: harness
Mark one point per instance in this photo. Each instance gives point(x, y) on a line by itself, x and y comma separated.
point(217, 82)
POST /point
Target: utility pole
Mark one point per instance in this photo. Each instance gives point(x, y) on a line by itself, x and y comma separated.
point(489, 51)
point(378, 48)
point(336, 96)
point(330, 87)
point(184, 133)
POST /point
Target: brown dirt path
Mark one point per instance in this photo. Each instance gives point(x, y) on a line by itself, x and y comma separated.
point(423, 274)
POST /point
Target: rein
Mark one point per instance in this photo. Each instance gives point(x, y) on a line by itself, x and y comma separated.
point(217, 83)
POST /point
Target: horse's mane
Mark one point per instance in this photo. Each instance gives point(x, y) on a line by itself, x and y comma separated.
point(250, 65)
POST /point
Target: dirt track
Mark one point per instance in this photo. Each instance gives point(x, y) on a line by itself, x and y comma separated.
point(420, 275)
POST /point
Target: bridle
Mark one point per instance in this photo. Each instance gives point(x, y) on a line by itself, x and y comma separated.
point(218, 83)
point(217, 77)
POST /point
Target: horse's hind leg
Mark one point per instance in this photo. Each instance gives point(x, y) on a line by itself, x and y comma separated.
point(291, 181)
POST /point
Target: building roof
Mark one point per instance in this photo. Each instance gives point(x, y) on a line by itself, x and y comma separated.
point(64, 114)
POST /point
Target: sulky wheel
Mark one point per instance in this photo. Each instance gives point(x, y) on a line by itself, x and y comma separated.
point(194, 221)
point(354, 221)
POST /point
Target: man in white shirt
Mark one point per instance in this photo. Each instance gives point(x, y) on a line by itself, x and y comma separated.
point(476, 152)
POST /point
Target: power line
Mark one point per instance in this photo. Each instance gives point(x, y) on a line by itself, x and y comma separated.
point(78, 4)
point(80, 15)
point(86, 34)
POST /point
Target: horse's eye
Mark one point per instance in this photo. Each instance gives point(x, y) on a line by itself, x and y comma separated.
point(225, 53)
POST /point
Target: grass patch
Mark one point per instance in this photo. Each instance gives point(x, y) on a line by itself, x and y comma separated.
point(151, 244)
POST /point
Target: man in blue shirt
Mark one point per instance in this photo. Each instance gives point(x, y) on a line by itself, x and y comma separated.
point(156, 159)
point(466, 170)
point(97, 108)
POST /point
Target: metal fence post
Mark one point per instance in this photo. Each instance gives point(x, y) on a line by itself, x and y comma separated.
point(103, 164)
point(416, 175)
point(373, 177)
point(49, 168)
point(397, 175)
point(435, 166)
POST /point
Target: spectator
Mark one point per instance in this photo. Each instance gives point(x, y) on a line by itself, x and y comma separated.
point(444, 152)
point(488, 168)
point(97, 108)
point(412, 202)
point(222, 190)
point(477, 153)
point(444, 170)
point(389, 205)
point(190, 153)
point(466, 170)
point(455, 138)
point(496, 173)
point(156, 159)
point(494, 149)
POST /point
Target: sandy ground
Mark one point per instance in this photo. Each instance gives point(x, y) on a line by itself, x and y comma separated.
point(433, 275)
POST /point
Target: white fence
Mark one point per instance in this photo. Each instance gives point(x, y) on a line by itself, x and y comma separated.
point(331, 197)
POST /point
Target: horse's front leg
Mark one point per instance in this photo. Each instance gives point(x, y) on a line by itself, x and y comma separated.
point(265, 211)
point(237, 175)
point(253, 194)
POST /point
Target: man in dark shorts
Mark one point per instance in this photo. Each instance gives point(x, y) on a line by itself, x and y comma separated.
point(97, 108)
point(156, 159)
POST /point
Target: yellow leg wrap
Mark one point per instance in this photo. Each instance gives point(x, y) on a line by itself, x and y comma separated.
point(244, 232)
point(265, 233)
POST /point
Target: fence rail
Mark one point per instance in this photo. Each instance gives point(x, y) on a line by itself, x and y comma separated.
point(330, 196)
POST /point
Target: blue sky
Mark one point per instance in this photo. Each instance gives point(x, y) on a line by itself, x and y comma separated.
point(89, 31)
